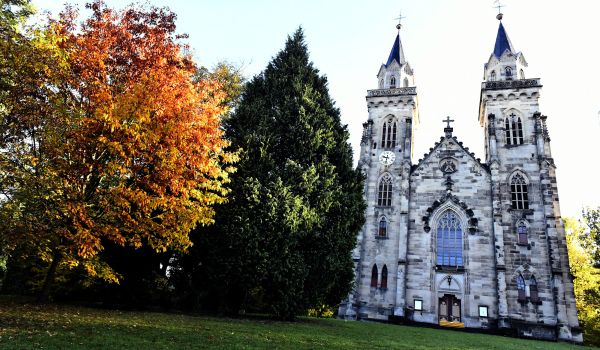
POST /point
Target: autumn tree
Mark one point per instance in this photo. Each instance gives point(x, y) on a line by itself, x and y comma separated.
point(107, 137)
point(583, 249)
point(283, 242)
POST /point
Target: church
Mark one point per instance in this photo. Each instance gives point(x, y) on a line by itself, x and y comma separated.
point(451, 239)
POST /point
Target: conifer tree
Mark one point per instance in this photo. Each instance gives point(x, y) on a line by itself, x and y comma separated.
point(283, 242)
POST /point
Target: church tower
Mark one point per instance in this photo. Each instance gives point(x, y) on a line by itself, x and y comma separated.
point(533, 280)
point(385, 159)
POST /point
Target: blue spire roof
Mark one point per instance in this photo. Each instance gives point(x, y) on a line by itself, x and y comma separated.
point(397, 53)
point(502, 42)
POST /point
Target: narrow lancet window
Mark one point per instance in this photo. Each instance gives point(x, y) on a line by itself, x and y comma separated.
point(508, 73)
point(384, 197)
point(520, 288)
point(384, 274)
point(374, 275)
point(514, 130)
point(522, 233)
point(518, 192)
point(533, 290)
point(383, 227)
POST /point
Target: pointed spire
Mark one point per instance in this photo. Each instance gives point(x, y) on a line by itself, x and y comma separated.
point(502, 42)
point(397, 52)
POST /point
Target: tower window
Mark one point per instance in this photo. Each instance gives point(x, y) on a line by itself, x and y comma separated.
point(533, 290)
point(384, 197)
point(521, 74)
point(508, 73)
point(520, 288)
point(405, 82)
point(522, 233)
point(374, 276)
point(388, 135)
point(384, 274)
point(383, 227)
point(381, 84)
point(449, 240)
point(393, 82)
point(518, 192)
point(513, 127)
point(493, 76)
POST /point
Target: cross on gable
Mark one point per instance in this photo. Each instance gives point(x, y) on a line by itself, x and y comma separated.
point(447, 121)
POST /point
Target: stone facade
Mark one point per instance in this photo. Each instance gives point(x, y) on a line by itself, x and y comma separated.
point(454, 240)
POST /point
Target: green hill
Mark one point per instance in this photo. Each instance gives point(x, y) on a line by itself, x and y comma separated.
point(25, 325)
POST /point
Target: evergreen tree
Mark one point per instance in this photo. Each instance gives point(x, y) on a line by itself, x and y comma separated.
point(283, 242)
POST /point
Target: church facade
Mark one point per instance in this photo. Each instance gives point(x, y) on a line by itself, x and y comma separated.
point(451, 239)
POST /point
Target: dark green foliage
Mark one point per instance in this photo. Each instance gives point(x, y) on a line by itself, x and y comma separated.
point(282, 244)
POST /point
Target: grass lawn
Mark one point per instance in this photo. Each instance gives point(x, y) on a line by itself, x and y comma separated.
point(25, 325)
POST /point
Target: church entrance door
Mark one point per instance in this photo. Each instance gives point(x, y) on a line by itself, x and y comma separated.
point(449, 308)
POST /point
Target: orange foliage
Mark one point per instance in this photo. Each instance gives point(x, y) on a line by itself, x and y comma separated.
point(133, 150)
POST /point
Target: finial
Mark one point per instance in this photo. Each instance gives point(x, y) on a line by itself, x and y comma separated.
point(499, 7)
point(399, 18)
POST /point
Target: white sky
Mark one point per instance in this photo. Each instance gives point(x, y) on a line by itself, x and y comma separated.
point(446, 43)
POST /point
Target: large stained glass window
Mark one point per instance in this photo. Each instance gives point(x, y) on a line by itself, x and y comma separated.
point(449, 240)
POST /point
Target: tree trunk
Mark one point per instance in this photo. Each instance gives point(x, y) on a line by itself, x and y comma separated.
point(44, 295)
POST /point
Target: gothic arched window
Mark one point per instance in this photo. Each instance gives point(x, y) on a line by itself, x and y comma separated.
point(384, 194)
point(381, 84)
point(383, 227)
point(533, 290)
point(508, 73)
point(521, 74)
point(513, 128)
point(388, 135)
point(522, 232)
point(405, 82)
point(449, 240)
point(518, 192)
point(374, 276)
point(393, 82)
point(384, 277)
point(520, 288)
point(493, 76)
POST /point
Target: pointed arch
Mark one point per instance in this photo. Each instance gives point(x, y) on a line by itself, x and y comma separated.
point(384, 191)
point(513, 127)
point(521, 74)
point(393, 82)
point(520, 288)
point(533, 290)
point(519, 194)
point(383, 227)
point(374, 276)
point(384, 277)
point(449, 239)
point(522, 232)
point(389, 132)
point(493, 76)
point(508, 73)
point(405, 82)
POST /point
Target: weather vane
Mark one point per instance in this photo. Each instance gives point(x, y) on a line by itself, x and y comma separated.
point(499, 6)
point(399, 18)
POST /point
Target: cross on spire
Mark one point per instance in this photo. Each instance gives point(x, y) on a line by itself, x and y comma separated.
point(499, 6)
point(399, 18)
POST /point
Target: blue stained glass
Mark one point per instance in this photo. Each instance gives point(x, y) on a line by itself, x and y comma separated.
point(449, 240)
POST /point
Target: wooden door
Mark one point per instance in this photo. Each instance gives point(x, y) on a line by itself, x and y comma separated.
point(449, 308)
